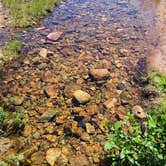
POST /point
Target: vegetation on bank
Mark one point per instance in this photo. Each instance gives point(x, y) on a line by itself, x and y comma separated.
point(140, 142)
point(27, 13)
point(12, 47)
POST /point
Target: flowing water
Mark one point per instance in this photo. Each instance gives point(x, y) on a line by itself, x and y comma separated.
point(118, 35)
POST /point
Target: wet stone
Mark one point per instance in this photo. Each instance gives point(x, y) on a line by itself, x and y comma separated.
point(81, 97)
point(99, 74)
point(48, 115)
point(52, 155)
point(54, 35)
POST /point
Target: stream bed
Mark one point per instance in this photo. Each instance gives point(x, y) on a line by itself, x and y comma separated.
point(81, 68)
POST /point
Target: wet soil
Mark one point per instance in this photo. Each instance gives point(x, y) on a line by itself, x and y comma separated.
point(112, 35)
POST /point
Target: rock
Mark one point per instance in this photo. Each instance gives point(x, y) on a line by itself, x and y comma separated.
point(52, 155)
point(43, 52)
point(110, 103)
point(81, 97)
point(138, 112)
point(89, 128)
point(80, 160)
point(48, 115)
point(123, 52)
point(49, 77)
point(120, 86)
point(51, 91)
point(99, 74)
point(85, 137)
point(54, 35)
point(70, 89)
point(37, 158)
point(27, 130)
point(92, 109)
point(5, 144)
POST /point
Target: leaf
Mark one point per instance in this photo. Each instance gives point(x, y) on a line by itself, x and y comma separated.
point(117, 125)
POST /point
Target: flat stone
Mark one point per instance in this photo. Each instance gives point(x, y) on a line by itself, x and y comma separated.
point(81, 97)
point(37, 158)
point(48, 115)
point(99, 74)
point(110, 103)
point(138, 112)
point(52, 155)
point(79, 161)
point(47, 76)
point(92, 109)
point(43, 52)
point(54, 35)
point(51, 91)
point(89, 128)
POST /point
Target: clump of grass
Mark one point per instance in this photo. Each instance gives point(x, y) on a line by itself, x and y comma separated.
point(27, 12)
point(12, 48)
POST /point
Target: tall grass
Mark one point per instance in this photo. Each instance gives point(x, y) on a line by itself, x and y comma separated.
point(27, 12)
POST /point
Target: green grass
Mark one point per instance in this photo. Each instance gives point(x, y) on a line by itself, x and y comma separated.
point(12, 47)
point(28, 12)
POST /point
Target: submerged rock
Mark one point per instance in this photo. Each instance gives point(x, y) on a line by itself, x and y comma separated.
point(54, 35)
point(48, 115)
point(99, 74)
point(81, 97)
point(52, 155)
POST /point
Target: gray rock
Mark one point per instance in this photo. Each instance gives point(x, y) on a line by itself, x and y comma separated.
point(48, 115)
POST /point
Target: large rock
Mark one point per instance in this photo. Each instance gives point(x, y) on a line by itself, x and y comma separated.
point(48, 115)
point(81, 97)
point(54, 35)
point(37, 158)
point(52, 155)
point(138, 112)
point(99, 74)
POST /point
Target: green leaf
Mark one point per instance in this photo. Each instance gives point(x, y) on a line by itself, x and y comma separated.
point(117, 125)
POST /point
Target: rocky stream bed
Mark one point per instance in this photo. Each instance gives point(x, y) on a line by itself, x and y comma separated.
point(81, 68)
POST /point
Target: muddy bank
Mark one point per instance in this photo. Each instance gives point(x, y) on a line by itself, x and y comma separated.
point(157, 57)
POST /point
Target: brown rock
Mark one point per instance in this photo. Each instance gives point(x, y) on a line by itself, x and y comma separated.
point(79, 161)
point(48, 115)
point(52, 155)
point(99, 74)
point(92, 109)
point(37, 158)
point(138, 112)
point(81, 97)
point(27, 130)
point(70, 89)
point(49, 77)
point(89, 128)
point(51, 91)
point(54, 35)
point(110, 103)
point(43, 52)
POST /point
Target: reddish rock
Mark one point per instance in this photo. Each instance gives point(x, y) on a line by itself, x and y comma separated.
point(54, 35)
point(49, 77)
point(92, 109)
point(99, 74)
point(51, 91)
